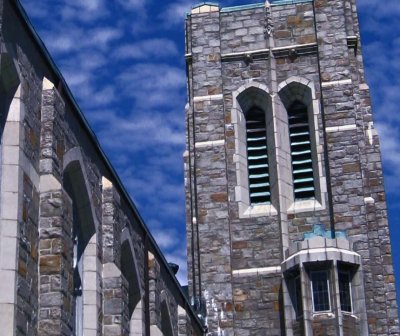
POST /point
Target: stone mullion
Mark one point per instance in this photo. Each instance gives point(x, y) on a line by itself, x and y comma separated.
point(115, 302)
point(55, 264)
point(111, 227)
point(154, 295)
point(114, 285)
point(55, 225)
point(184, 323)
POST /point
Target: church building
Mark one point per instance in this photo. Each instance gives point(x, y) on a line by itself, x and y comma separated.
point(286, 215)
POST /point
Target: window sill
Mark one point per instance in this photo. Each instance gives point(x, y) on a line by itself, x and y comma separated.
point(251, 211)
point(306, 206)
point(324, 313)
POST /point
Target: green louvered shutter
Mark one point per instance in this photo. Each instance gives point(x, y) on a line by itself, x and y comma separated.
point(257, 156)
point(299, 132)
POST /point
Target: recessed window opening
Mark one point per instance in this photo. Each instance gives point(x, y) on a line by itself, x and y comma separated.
point(257, 157)
point(345, 291)
point(301, 152)
point(320, 291)
point(77, 294)
point(298, 305)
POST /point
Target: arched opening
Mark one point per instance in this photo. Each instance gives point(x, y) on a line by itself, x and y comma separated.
point(252, 118)
point(129, 270)
point(136, 323)
point(257, 157)
point(301, 151)
point(10, 129)
point(166, 325)
point(9, 82)
point(302, 107)
point(83, 232)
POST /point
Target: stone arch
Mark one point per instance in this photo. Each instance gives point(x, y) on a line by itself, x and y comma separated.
point(296, 88)
point(302, 90)
point(11, 127)
point(9, 88)
point(135, 294)
point(85, 225)
point(165, 314)
point(248, 96)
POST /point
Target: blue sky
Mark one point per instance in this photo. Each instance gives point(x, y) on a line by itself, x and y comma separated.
point(123, 60)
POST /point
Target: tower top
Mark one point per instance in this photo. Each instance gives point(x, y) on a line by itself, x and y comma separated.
point(208, 7)
point(205, 7)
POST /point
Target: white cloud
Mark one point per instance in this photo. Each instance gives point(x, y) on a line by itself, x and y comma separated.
point(175, 12)
point(160, 85)
point(390, 147)
point(103, 36)
point(85, 11)
point(133, 4)
point(152, 48)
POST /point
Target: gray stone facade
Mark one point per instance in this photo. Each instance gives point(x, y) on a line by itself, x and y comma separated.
point(75, 256)
point(244, 259)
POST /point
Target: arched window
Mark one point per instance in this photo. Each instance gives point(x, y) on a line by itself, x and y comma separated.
point(257, 157)
point(256, 192)
point(84, 235)
point(301, 151)
point(78, 289)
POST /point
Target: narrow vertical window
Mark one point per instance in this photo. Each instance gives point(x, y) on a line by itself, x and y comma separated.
point(257, 156)
point(298, 305)
point(320, 291)
point(345, 291)
point(302, 164)
point(77, 294)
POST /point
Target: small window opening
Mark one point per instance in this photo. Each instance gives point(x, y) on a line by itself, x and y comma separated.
point(300, 143)
point(77, 294)
point(257, 156)
point(298, 304)
point(320, 291)
point(345, 291)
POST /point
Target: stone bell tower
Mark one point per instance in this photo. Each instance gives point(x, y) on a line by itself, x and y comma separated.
point(286, 215)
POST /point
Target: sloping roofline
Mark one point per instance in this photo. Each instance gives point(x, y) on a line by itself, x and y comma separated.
point(63, 86)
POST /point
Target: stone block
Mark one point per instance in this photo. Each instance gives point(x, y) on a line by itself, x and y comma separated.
point(11, 178)
point(10, 205)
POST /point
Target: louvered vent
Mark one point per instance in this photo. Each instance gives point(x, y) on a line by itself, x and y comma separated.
point(257, 156)
point(299, 132)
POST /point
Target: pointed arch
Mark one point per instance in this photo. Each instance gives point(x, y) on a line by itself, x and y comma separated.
point(11, 127)
point(166, 323)
point(85, 225)
point(130, 271)
point(298, 97)
point(252, 118)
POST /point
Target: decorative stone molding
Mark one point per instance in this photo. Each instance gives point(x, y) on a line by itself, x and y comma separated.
point(319, 249)
point(269, 23)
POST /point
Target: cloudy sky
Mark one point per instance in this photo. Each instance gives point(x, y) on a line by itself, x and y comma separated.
point(123, 60)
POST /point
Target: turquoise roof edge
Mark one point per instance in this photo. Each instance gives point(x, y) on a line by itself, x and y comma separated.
point(249, 6)
point(243, 7)
point(262, 4)
point(205, 3)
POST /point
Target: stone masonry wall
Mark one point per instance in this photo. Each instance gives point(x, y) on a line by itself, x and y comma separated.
point(44, 141)
point(228, 50)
